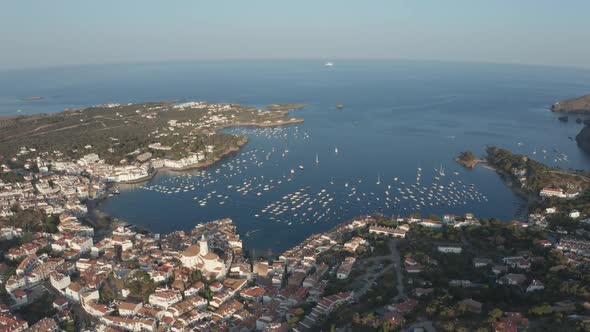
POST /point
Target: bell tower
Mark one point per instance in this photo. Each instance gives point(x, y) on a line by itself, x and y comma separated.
point(203, 246)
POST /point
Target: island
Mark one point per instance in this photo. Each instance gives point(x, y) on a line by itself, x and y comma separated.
point(468, 159)
point(32, 98)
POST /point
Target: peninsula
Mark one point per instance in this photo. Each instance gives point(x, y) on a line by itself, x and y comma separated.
point(574, 105)
point(168, 134)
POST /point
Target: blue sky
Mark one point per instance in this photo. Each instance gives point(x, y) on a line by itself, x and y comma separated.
point(50, 33)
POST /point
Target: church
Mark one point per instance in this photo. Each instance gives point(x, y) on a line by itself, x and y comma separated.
point(198, 257)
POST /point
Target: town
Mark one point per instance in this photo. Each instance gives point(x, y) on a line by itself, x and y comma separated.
point(61, 270)
point(371, 273)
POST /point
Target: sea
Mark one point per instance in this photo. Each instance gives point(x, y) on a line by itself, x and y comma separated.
point(390, 149)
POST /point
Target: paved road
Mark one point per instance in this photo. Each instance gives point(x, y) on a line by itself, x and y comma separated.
point(373, 272)
point(397, 263)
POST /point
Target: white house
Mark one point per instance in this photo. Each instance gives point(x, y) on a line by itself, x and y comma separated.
point(59, 281)
point(535, 286)
point(129, 308)
point(574, 214)
point(449, 249)
point(552, 192)
point(165, 298)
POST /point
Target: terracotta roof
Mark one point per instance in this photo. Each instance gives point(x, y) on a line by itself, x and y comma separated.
point(192, 251)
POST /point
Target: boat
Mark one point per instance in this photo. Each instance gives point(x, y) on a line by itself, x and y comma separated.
point(317, 159)
point(300, 167)
point(329, 64)
point(292, 171)
point(441, 170)
point(336, 150)
point(378, 179)
point(339, 106)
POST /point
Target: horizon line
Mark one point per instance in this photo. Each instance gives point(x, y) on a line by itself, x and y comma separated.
point(319, 59)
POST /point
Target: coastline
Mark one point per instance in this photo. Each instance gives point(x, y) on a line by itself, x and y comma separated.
point(93, 206)
point(506, 179)
point(232, 149)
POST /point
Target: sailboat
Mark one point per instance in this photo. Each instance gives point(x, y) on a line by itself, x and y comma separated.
point(378, 179)
point(441, 170)
point(317, 159)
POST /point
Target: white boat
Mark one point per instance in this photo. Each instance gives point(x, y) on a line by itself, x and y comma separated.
point(336, 150)
point(300, 167)
point(317, 159)
point(329, 64)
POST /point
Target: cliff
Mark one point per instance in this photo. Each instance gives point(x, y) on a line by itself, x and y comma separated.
point(583, 139)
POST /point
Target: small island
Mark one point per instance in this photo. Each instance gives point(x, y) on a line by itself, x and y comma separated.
point(468, 159)
point(32, 98)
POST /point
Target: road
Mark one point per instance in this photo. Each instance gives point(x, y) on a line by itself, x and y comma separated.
point(370, 274)
point(397, 263)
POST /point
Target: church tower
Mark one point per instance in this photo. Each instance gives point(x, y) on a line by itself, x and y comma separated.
point(203, 247)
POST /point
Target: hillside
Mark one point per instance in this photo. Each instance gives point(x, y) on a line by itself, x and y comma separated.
point(574, 105)
point(531, 176)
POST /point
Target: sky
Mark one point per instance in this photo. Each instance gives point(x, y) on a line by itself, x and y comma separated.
point(69, 32)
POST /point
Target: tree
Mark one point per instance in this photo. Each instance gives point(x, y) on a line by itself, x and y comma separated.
point(494, 315)
point(141, 285)
point(105, 295)
point(541, 310)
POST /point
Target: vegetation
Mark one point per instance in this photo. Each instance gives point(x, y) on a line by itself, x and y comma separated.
point(538, 175)
point(467, 159)
point(32, 220)
point(141, 285)
point(119, 133)
point(574, 105)
point(10, 177)
point(38, 309)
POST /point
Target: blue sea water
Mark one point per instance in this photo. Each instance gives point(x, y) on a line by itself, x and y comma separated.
point(398, 116)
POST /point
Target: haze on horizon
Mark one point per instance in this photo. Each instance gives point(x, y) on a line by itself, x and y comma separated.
point(68, 32)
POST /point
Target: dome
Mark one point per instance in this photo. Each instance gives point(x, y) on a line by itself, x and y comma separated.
point(191, 251)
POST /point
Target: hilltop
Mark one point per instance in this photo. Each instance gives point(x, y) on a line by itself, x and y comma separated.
point(574, 105)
